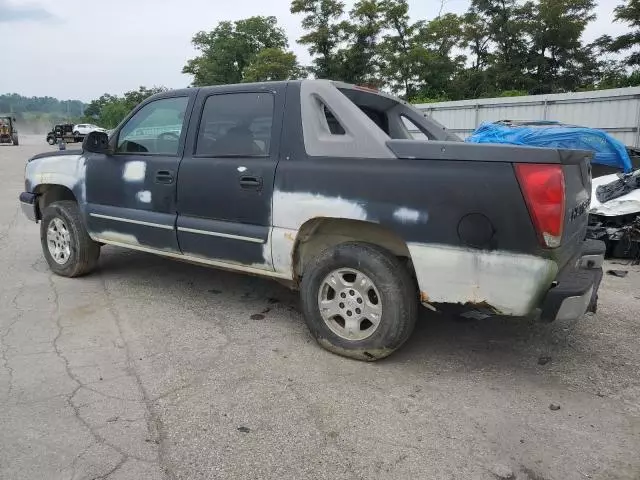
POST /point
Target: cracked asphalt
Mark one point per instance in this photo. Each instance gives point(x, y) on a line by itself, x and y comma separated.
point(156, 369)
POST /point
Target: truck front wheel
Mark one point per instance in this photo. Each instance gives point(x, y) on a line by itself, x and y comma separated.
point(359, 301)
point(66, 245)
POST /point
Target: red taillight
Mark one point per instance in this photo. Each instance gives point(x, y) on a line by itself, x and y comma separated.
point(543, 188)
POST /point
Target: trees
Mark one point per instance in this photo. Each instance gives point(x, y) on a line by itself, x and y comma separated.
point(14, 103)
point(360, 58)
point(437, 60)
point(397, 48)
point(109, 110)
point(526, 46)
point(230, 48)
point(557, 59)
point(629, 43)
point(505, 24)
point(325, 33)
point(273, 64)
point(497, 47)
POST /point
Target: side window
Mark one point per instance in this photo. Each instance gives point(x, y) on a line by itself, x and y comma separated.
point(335, 128)
point(236, 125)
point(155, 128)
point(414, 130)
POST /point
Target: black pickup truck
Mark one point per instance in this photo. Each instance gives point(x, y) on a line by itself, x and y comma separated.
point(321, 185)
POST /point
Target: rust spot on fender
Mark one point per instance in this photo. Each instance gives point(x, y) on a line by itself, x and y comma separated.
point(289, 236)
point(424, 297)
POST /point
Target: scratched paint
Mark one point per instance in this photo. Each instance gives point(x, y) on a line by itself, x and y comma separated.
point(511, 283)
point(292, 209)
point(112, 236)
point(134, 171)
point(144, 196)
point(282, 243)
point(66, 170)
point(409, 216)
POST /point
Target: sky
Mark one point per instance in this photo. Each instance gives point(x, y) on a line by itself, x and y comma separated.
point(58, 48)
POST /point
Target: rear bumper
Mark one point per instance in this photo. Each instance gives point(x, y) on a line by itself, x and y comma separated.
point(28, 202)
point(575, 289)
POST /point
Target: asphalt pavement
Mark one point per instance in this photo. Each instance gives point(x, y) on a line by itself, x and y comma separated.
point(157, 369)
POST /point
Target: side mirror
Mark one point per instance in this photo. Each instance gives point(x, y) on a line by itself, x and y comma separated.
point(96, 142)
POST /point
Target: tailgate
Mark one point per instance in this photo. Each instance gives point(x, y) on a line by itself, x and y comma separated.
point(576, 165)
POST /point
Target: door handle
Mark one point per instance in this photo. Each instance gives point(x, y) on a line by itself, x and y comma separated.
point(164, 176)
point(251, 182)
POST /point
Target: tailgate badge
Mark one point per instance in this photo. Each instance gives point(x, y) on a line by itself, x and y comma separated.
point(579, 210)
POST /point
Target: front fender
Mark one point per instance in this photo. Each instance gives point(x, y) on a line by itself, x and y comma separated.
point(68, 170)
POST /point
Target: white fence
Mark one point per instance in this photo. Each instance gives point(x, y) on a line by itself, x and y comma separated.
point(615, 111)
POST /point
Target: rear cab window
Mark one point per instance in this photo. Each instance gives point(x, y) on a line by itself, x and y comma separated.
point(236, 125)
point(394, 118)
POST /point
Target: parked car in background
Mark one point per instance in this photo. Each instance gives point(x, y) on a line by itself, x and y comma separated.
point(63, 131)
point(86, 128)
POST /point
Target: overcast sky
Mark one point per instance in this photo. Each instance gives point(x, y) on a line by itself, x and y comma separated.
point(57, 48)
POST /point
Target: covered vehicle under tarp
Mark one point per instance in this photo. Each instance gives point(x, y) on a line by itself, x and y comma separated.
point(607, 150)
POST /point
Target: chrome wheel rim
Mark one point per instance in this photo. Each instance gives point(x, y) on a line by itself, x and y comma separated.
point(59, 241)
point(350, 304)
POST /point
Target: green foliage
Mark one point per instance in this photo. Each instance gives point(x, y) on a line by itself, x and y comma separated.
point(558, 60)
point(513, 93)
point(273, 64)
point(325, 33)
point(15, 103)
point(359, 58)
point(398, 51)
point(496, 47)
point(231, 47)
point(419, 99)
point(628, 13)
point(109, 110)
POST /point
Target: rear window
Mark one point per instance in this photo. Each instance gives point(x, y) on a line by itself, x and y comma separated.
point(388, 114)
point(236, 125)
point(414, 130)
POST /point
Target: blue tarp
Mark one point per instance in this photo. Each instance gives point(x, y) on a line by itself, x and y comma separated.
point(607, 150)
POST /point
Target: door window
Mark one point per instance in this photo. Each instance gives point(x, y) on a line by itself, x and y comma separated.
point(155, 128)
point(236, 125)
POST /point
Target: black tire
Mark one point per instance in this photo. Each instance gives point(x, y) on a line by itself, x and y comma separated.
point(15, 140)
point(76, 133)
point(84, 252)
point(51, 140)
point(393, 281)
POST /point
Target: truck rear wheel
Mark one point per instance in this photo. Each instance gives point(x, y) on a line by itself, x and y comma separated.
point(66, 245)
point(359, 301)
point(15, 140)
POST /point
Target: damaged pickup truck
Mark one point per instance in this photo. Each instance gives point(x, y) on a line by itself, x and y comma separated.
point(320, 184)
